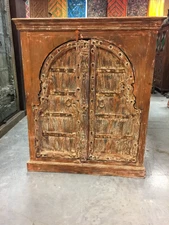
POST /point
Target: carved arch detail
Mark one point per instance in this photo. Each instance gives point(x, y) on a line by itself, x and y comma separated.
point(87, 107)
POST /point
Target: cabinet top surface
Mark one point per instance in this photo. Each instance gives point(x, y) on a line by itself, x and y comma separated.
point(118, 23)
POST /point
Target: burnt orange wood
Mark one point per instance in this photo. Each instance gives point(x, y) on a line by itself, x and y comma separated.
point(129, 171)
point(88, 84)
point(38, 8)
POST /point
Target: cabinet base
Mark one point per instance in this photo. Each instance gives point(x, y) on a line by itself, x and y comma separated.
point(86, 168)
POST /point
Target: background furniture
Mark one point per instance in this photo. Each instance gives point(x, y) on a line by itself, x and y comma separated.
point(17, 10)
point(161, 70)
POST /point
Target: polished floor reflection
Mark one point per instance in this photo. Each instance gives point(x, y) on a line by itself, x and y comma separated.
point(70, 199)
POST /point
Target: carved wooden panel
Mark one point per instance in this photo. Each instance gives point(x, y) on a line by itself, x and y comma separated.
point(87, 106)
point(115, 120)
point(62, 117)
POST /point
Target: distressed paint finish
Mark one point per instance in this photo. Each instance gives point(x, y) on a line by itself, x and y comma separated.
point(75, 121)
point(115, 119)
point(89, 112)
point(61, 119)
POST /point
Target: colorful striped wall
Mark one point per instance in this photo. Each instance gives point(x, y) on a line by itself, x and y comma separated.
point(105, 8)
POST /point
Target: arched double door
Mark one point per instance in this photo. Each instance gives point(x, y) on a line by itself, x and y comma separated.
point(87, 108)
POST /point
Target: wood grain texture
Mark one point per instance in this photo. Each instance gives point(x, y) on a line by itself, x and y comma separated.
point(127, 171)
point(87, 108)
point(110, 24)
point(61, 118)
point(88, 93)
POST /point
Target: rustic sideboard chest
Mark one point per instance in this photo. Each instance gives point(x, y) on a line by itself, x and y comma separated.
point(88, 84)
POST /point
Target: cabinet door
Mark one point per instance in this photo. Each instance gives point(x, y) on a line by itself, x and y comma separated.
point(61, 119)
point(87, 107)
point(114, 120)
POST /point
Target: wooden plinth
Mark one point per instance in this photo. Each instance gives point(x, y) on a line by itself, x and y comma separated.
point(86, 168)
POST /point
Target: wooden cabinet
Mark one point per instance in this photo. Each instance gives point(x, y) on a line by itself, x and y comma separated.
point(88, 84)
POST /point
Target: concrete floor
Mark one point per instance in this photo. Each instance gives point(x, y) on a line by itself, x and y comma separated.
point(70, 199)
